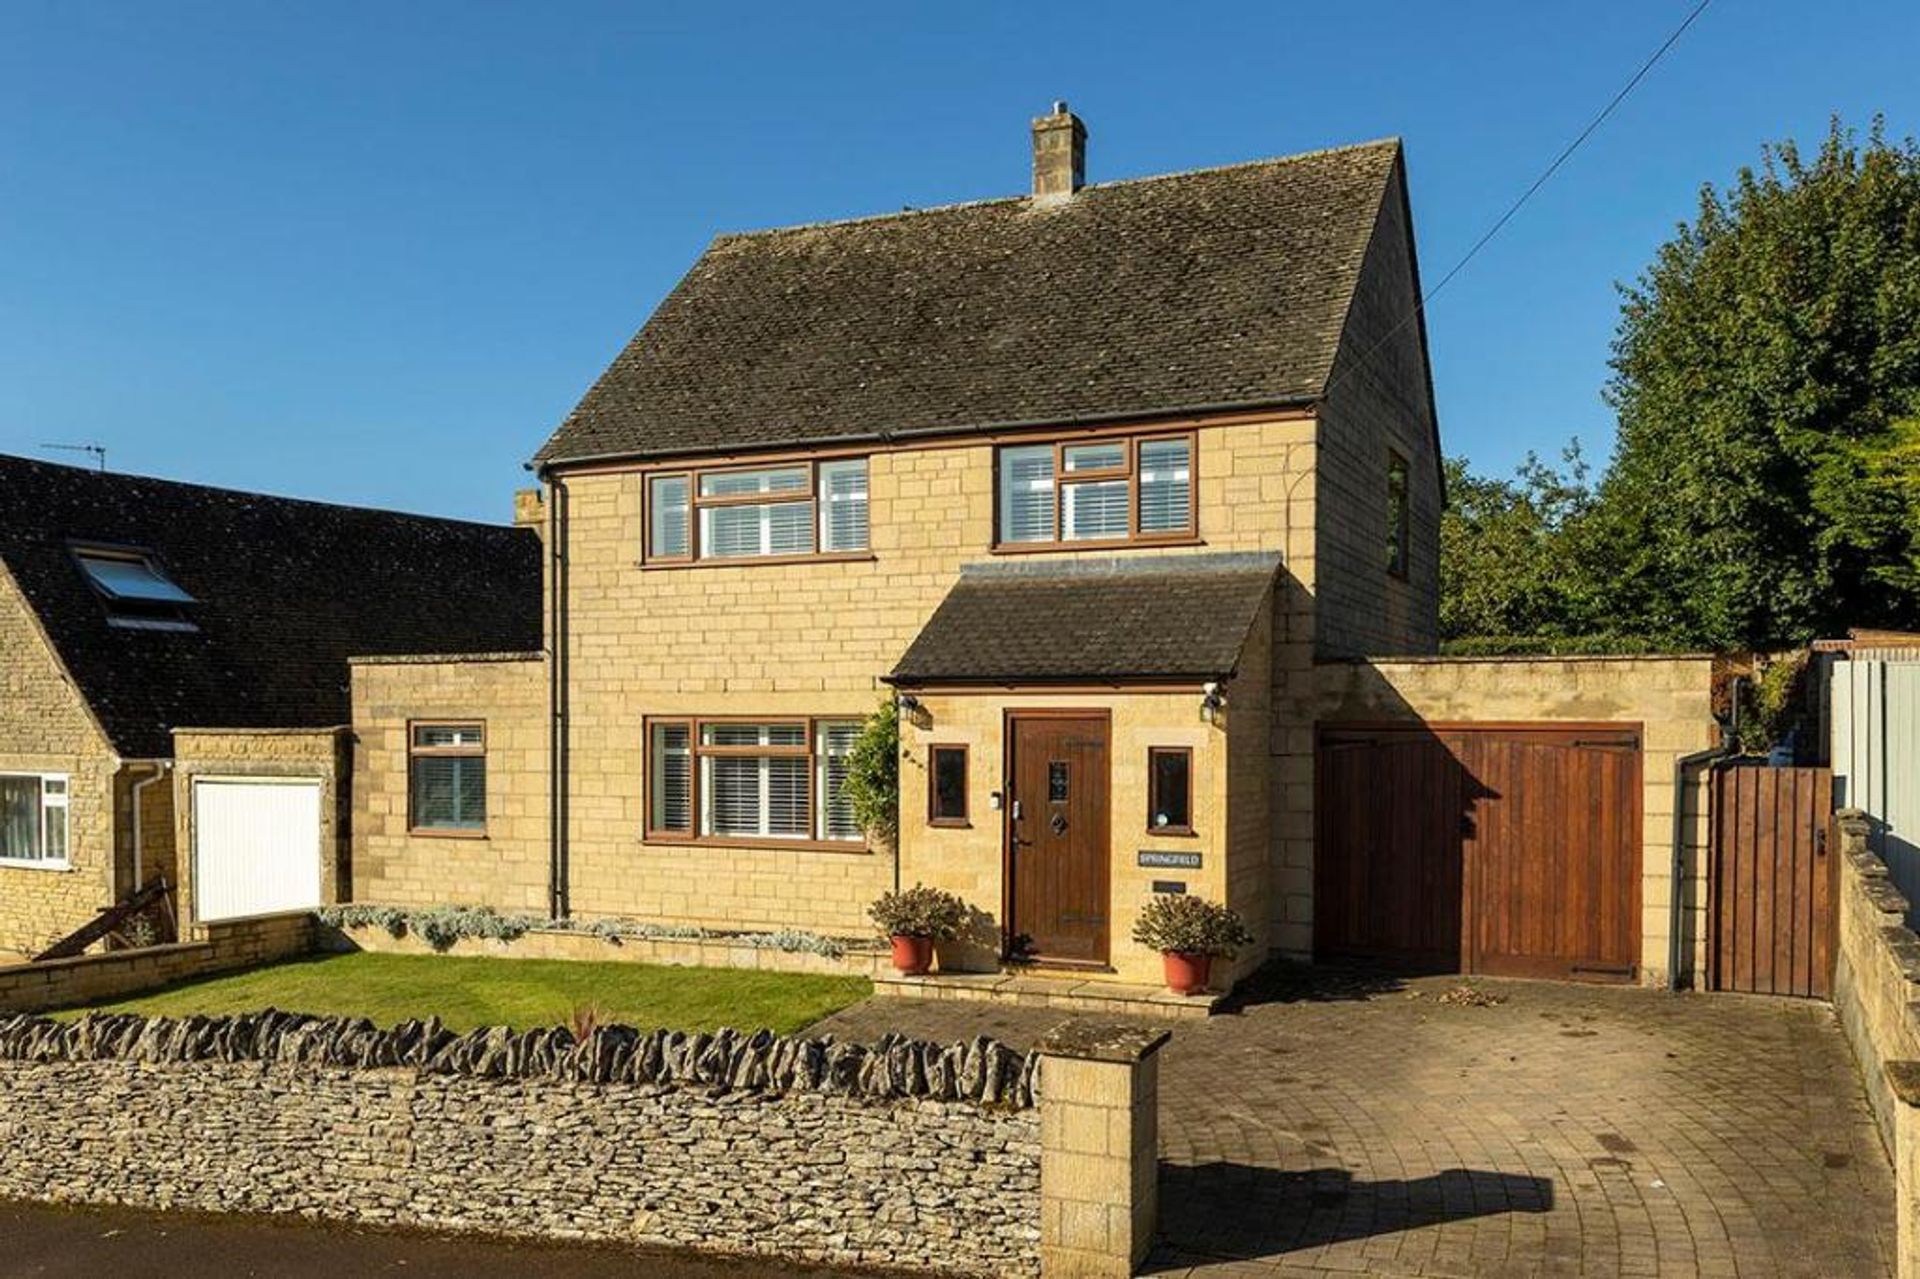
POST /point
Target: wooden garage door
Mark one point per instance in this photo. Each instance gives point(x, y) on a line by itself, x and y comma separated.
point(1508, 850)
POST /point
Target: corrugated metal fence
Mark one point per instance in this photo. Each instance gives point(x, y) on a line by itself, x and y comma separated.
point(1875, 720)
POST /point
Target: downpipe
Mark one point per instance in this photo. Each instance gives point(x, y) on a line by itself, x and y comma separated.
point(1676, 890)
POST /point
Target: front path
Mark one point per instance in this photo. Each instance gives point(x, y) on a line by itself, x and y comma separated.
point(1343, 1126)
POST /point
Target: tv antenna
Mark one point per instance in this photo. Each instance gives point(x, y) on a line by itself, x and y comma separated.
point(98, 452)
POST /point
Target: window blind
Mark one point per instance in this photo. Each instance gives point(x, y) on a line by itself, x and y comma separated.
point(672, 778)
point(843, 505)
point(836, 810)
point(1166, 497)
point(1026, 493)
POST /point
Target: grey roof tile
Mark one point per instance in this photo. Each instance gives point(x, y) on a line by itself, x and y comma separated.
point(1217, 287)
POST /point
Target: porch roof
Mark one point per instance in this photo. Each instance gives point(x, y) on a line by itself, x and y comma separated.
point(1118, 619)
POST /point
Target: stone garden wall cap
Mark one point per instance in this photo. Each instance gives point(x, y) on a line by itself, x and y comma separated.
point(1103, 1040)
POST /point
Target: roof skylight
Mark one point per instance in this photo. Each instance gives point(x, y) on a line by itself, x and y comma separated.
point(131, 577)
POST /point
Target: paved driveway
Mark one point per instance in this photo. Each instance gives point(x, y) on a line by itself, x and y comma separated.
point(1343, 1126)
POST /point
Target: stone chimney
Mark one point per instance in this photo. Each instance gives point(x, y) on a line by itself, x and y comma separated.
point(1059, 154)
point(529, 511)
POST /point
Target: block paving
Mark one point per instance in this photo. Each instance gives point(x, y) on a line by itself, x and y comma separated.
point(1340, 1124)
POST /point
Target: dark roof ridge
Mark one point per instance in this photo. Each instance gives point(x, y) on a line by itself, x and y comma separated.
point(221, 490)
point(1392, 140)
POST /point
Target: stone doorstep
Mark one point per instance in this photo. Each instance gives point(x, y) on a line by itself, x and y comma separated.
point(1048, 990)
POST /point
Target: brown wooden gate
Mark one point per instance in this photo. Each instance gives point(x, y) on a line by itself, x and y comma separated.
point(1509, 849)
point(1772, 896)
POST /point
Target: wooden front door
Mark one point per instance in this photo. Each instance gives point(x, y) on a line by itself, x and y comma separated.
point(1057, 854)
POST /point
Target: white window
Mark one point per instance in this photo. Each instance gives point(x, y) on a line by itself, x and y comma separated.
point(1109, 492)
point(753, 780)
point(834, 742)
point(1026, 493)
point(670, 777)
point(782, 525)
point(668, 525)
point(1166, 486)
point(33, 819)
point(843, 505)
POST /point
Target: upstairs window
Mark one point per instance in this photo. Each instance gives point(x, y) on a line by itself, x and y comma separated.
point(1399, 522)
point(138, 593)
point(1098, 493)
point(33, 819)
point(737, 780)
point(447, 779)
point(757, 513)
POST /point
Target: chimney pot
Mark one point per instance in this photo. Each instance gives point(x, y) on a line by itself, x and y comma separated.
point(1059, 153)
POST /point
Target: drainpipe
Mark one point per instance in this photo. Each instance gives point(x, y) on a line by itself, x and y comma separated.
point(558, 905)
point(1729, 734)
point(160, 769)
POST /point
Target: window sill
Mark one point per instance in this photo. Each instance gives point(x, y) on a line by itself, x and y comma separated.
point(760, 561)
point(49, 867)
point(428, 832)
point(1180, 832)
point(1108, 544)
point(655, 839)
point(950, 823)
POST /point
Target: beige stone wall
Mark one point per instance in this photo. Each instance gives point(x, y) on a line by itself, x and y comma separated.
point(215, 948)
point(814, 638)
point(1378, 403)
point(45, 727)
point(1876, 978)
point(1668, 697)
point(970, 860)
point(318, 753)
point(506, 869)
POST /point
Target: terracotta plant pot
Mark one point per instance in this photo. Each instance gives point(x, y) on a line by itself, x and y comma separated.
point(912, 955)
point(1186, 974)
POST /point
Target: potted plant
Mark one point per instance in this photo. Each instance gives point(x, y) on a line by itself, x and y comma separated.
point(1189, 932)
point(915, 919)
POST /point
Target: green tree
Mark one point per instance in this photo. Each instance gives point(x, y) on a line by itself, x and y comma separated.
point(1512, 552)
point(1766, 373)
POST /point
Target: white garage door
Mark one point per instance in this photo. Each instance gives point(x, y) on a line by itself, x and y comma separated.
point(256, 846)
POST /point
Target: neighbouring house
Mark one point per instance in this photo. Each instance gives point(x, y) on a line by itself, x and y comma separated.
point(174, 664)
point(1129, 494)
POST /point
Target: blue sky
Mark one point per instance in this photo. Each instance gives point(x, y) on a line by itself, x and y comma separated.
point(372, 253)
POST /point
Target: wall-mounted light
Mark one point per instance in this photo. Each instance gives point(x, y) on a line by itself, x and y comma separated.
point(912, 711)
point(908, 702)
point(1212, 702)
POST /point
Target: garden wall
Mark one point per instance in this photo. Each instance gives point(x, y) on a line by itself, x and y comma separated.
point(904, 1155)
point(1876, 978)
point(218, 948)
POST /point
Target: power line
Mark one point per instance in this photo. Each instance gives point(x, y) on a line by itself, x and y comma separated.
point(1566, 153)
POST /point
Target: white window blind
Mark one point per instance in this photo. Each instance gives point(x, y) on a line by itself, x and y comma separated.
point(667, 515)
point(763, 796)
point(33, 819)
point(775, 528)
point(836, 812)
point(1166, 474)
point(1026, 493)
point(671, 784)
point(1093, 510)
point(843, 505)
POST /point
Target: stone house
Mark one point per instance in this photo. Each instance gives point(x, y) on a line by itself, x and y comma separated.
point(168, 649)
point(1125, 492)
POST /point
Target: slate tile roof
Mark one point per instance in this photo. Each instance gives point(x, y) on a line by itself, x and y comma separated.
point(1163, 617)
point(1215, 288)
point(287, 591)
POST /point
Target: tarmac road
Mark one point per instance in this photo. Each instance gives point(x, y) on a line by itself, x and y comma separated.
point(118, 1243)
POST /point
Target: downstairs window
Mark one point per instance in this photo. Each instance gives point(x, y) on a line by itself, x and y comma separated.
point(750, 780)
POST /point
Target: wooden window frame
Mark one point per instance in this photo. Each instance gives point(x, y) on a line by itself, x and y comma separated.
point(414, 751)
point(810, 495)
point(965, 818)
point(1153, 791)
point(1128, 471)
point(1400, 531)
point(691, 836)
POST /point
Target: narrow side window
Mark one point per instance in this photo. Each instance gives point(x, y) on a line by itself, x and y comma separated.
point(1170, 790)
point(947, 786)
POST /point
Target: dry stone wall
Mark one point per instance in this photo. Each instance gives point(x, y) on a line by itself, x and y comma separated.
point(901, 1154)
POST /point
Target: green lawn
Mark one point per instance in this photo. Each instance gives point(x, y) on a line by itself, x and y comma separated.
point(466, 993)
